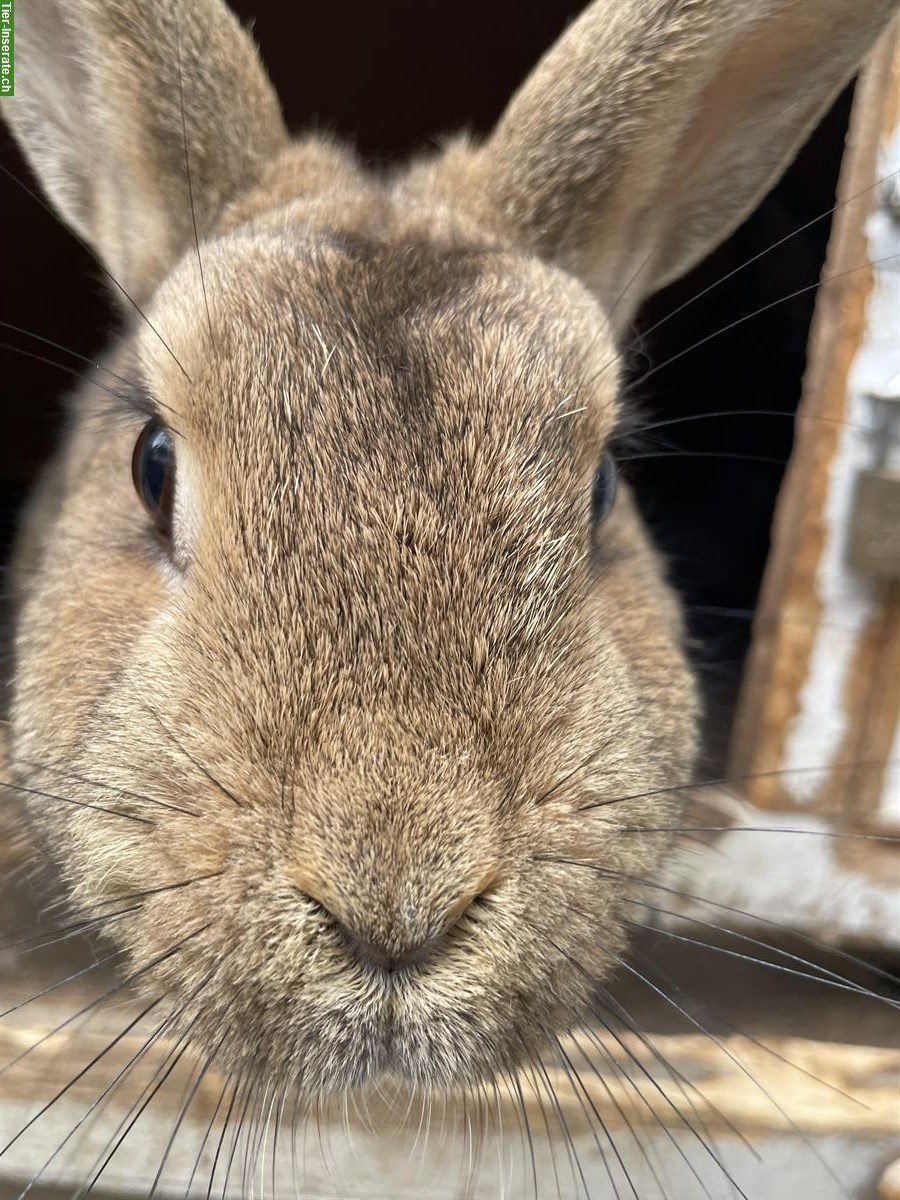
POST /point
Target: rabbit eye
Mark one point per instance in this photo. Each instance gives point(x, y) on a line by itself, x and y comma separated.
point(603, 492)
point(153, 471)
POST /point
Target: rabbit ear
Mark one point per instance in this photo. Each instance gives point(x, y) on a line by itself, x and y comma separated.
point(116, 97)
point(653, 127)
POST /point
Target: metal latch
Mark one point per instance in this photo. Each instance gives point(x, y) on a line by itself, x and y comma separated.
point(874, 542)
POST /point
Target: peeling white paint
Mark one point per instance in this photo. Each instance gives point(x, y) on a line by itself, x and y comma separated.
point(770, 874)
point(888, 813)
point(847, 596)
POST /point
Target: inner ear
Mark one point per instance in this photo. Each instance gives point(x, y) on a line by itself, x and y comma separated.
point(141, 120)
point(763, 72)
point(654, 127)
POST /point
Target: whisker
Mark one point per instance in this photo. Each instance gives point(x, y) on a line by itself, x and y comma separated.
point(253, 1135)
point(755, 1041)
point(187, 168)
point(107, 1091)
point(131, 1118)
point(537, 1091)
point(761, 962)
point(676, 1075)
point(498, 1115)
point(41, 937)
point(80, 1075)
point(744, 937)
point(74, 372)
point(177, 1050)
point(618, 1010)
point(62, 982)
point(626, 1075)
point(206, 1135)
point(93, 254)
point(630, 282)
point(560, 783)
point(114, 990)
point(45, 341)
point(762, 253)
point(588, 1107)
point(725, 780)
point(761, 615)
point(111, 787)
point(685, 1085)
point(845, 955)
point(782, 1058)
point(826, 833)
point(835, 981)
point(617, 1105)
point(717, 1041)
point(725, 455)
point(251, 1092)
point(560, 1116)
point(811, 287)
point(279, 1117)
point(241, 1085)
point(516, 1083)
point(184, 1111)
point(256, 1152)
point(697, 1127)
point(738, 412)
point(166, 887)
point(187, 754)
point(111, 812)
point(295, 1166)
point(681, 1081)
point(48, 937)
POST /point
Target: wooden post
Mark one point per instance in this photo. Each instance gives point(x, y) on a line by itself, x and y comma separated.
point(822, 685)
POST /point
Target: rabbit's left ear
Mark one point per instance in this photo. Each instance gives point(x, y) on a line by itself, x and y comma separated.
point(653, 127)
point(116, 97)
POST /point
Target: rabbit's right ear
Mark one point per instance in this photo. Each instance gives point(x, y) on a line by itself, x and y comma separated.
point(116, 98)
point(653, 127)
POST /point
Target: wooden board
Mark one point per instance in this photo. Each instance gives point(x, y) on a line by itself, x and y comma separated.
point(816, 742)
point(791, 1100)
point(823, 681)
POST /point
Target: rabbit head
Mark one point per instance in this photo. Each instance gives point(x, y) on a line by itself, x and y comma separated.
point(340, 667)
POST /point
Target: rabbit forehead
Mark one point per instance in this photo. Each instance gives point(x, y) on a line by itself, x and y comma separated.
point(400, 434)
point(310, 319)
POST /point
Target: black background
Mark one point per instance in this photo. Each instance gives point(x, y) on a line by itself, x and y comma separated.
point(391, 78)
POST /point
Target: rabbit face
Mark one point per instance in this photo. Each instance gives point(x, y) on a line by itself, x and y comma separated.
point(360, 692)
point(354, 676)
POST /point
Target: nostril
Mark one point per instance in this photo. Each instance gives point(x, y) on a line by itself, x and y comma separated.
point(317, 905)
point(355, 942)
point(359, 946)
point(378, 956)
point(410, 936)
point(393, 952)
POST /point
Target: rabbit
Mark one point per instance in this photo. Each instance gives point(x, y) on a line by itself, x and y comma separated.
point(345, 646)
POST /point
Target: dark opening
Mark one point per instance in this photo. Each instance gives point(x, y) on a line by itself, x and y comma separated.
point(392, 78)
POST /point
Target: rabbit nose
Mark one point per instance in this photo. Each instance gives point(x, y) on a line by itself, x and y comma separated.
point(408, 942)
point(409, 936)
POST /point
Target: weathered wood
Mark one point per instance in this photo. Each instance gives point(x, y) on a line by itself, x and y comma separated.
point(808, 1078)
point(817, 733)
point(790, 1092)
point(822, 684)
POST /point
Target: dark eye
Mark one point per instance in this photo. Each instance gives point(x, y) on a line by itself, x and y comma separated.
point(603, 492)
point(153, 471)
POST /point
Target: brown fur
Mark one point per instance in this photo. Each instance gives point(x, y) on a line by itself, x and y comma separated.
point(386, 663)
